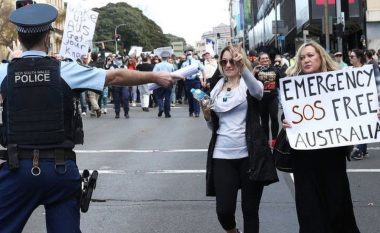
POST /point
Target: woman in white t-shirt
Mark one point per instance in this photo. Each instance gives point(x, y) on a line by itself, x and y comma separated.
point(238, 143)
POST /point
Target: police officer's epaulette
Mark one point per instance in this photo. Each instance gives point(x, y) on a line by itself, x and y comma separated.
point(67, 59)
point(86, 66)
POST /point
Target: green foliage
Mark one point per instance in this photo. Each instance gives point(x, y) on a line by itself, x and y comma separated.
point(139, 30)
point(173, 38)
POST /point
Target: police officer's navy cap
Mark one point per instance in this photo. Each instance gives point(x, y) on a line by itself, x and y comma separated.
point(34, 18)
point(165, 54)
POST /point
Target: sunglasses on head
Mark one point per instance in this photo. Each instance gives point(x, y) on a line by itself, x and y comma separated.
point(225, 61)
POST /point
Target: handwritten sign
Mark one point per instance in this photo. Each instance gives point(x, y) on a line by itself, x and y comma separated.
point(135, 51)
point(79, 30)
point(331, 109)
point(158, 51)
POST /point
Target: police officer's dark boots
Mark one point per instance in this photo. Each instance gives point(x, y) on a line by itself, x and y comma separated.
point(117, 116)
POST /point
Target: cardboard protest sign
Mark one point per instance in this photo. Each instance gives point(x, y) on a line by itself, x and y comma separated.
point(158, 51)
point(79, 30)
point(331, 109)
point(135, 51)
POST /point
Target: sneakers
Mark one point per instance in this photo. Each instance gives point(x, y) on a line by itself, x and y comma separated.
point(356, 154)
point(145, 109)
point(365, 155)
point(104, 111)
point(133, 104)
point(238, 231)
point(84, 113)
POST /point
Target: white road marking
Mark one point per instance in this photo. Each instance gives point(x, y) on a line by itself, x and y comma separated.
point(123, 172)
point(139, 151)
point(363, 170)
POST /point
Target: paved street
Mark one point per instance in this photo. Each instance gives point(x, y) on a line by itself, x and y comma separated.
point(152, 179)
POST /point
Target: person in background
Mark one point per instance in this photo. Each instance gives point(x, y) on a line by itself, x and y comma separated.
point(358, 59)
point(281, 67)
point(338, 57)
point(144, 90)
point(322, 190)
point(93, 96)
point(370, 57)
point(107, 91)
point(233, 118)
point(252, 57)
point(84, 60)
point(173, 97)
point(131, 65)
point(181, 83)
point(269, 76)
point(163, 94)
point(210, 65)
point(192, 81)
point(374, 56)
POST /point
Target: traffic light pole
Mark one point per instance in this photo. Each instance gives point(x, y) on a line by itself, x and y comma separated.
point(326, 26)
point(116, 36)
point(339, 21)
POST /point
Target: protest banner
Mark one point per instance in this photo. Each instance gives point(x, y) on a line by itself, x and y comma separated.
point(135, 51)
point(331, 109)
point(78, 31)
point(158, 51)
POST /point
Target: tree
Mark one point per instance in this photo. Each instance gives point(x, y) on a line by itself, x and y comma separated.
point(7, 29)
point(139, 30)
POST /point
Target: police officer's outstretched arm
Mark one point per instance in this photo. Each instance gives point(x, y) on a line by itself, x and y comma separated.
point(125, 77)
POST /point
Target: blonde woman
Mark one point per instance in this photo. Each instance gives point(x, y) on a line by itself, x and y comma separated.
point(322, 190)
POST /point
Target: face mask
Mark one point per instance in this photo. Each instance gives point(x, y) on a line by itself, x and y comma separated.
point(118, 63)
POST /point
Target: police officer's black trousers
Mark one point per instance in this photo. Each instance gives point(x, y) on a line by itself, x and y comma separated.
point(21, 193)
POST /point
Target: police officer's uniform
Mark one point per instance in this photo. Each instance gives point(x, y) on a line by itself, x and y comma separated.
point(40, 131)
point(192, 81)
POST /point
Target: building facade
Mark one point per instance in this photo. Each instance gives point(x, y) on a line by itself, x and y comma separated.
point(56, 36)
point(285, 24)
point(373, 24)
point(58, 25)
point(220, 36)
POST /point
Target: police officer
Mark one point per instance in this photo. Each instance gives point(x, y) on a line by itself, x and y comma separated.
point(40, 128)
point(192, 81)
point(163, 94)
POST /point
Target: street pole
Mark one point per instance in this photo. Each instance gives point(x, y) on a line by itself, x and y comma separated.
point(338, 22)
point(115, 35)
point(326, 19)
point(275, 18)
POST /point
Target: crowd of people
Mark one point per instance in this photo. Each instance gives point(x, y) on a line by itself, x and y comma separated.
point(95, 104)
